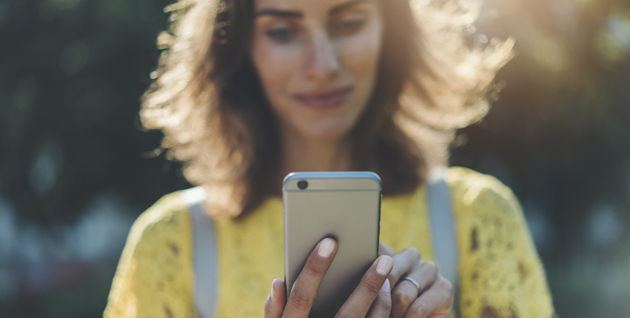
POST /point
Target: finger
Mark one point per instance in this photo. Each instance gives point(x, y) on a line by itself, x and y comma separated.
point(363, 296)
point(302, 295)
point(436, 302)
point(275, 302)
point(405, 293)
point(404, 263)
point(384, 249)
point(383, 304)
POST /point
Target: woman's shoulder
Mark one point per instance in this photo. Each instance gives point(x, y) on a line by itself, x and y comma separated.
point(465, 179)
point(480, 192)
point(499, 267)
point(167, 216)
point(155, 266)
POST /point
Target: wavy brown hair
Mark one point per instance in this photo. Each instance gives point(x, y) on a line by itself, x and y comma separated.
point(208, 101)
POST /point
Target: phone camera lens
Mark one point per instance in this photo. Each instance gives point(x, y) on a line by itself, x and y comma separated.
point(302, 184)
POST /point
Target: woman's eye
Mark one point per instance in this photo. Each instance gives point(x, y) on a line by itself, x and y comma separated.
point(350, 26)
point(281, 34)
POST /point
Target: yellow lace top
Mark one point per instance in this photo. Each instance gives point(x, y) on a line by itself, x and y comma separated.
point(500, 272)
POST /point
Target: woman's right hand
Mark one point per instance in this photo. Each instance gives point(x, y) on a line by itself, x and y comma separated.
point(371, 298)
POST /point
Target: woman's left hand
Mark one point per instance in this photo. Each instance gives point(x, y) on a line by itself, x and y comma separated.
point(436, 296)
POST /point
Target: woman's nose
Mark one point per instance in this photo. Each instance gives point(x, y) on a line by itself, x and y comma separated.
point(322, 61)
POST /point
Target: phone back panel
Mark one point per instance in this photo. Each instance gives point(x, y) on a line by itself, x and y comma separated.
point(342, 205)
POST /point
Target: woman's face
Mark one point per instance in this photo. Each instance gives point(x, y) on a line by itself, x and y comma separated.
point(317, 61)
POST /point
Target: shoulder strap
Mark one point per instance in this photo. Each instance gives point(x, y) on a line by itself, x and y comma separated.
point(204, 254)
point(445, 247)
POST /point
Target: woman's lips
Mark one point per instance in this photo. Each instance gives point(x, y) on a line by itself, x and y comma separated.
point(324, 99)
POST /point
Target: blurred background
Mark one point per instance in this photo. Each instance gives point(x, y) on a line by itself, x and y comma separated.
point(76, 168)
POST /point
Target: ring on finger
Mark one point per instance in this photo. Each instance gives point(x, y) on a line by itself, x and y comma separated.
point(414, 282)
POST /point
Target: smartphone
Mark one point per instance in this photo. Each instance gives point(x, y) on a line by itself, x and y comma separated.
point(343, 205)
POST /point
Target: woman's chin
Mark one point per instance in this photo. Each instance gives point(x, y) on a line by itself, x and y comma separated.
point(327, 133)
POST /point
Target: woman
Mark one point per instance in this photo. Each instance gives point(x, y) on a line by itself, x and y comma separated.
point(250, 90)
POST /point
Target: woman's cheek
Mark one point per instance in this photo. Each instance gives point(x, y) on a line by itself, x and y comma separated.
point(360, 54)
point(274, 64)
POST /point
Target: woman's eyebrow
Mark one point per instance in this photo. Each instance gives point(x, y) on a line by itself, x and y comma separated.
point(298, 15)
point(279, 13)
point(346, 5)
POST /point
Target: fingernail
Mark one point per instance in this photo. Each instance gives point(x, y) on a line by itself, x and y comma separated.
point(279, 282)
point(384, 265)
point(386, 287)
point(326, 247)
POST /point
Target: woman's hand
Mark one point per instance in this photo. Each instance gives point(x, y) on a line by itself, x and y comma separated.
point(371, 298)
point(435, 298)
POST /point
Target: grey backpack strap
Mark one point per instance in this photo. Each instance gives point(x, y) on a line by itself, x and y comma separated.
point(445, 247)
point(205, 263)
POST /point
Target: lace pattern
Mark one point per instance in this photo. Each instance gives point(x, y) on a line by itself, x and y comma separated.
point(154, 276)
point(500, 272)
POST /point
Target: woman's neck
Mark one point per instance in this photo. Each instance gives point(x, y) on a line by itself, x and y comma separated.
point(306, 154)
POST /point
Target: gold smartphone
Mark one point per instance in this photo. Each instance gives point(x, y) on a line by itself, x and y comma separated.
point(343, 205)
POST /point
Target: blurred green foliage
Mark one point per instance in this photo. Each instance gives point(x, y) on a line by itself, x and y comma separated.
point(71, 75)
point(72, 72)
